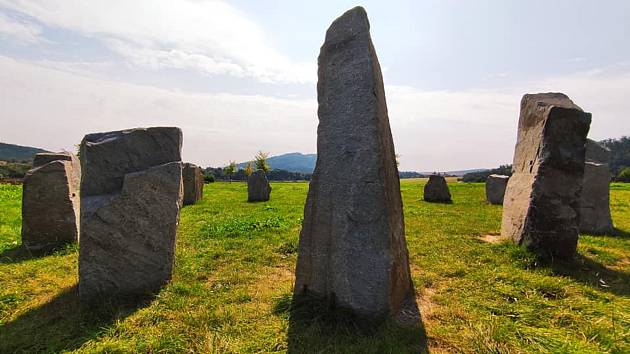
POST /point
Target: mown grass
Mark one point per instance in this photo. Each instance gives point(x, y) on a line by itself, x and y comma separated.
point(231, 290)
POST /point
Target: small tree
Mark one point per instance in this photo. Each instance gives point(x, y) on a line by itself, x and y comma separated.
point(624, 175)
point(249, 169)
point(230, 169)
point(261, 161)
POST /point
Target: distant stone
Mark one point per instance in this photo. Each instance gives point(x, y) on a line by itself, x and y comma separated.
point(193, 183)
point(258, 187)
point(542, 199)
point(436, 190)
point(50, 202)
point(495, 188)
point(595, 198)
point(352, 249)
point(131, 194)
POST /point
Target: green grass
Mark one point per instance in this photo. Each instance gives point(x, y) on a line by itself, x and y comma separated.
point(231, 290)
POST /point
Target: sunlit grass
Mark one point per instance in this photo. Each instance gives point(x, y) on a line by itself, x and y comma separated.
point(231, 290)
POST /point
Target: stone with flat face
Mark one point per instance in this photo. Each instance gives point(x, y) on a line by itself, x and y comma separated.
point(436, 190)
point(495, 188)
point(352, 248)
point(131, 196)
point(595, 198)
point(193, 183)
point(258, 187)
point(542, 199)
point(50, 202)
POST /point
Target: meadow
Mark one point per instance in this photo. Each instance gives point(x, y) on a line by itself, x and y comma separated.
point(232, 284)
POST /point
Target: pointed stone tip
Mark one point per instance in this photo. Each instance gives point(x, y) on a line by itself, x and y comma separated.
point(349, 24)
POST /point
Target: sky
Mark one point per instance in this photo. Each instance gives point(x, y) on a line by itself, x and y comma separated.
point(240, 76)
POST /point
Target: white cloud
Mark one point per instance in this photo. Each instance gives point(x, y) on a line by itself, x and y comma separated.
point(53, 107)
point(19, 30)
point(210, 36)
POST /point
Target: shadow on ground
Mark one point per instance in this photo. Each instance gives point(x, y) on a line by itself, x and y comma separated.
point(19, 253)
point(59, 325)
point(315, 327)
point(621, 233)
point(15, 254)
point(594, 274)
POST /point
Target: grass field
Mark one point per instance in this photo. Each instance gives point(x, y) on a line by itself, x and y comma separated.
point(231, 290)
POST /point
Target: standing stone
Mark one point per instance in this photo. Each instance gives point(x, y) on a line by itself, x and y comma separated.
point(131, 193)
point(50, 202)
point(542, 199)
point(595, 198)
point(436, 190)
point(258, 188)
point(193, 183)
point(352, 248)
point(495, 188)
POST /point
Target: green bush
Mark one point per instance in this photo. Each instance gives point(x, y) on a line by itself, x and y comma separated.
point(208, 178)
point(624, 175)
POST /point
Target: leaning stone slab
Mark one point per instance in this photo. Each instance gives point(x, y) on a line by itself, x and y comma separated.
point(258, 187)
point(352, 249)
point(131, 194)
point(436, 190)
point(542, 199)
point(595, 215)
point(193, 183)
point(50, 202)
point(495, 188)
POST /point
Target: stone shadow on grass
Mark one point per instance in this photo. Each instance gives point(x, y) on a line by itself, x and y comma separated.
point(15, 254)
point(62, 324)
point(620, 233)
point(19, 253)
point(316, 326)
point(594, 274)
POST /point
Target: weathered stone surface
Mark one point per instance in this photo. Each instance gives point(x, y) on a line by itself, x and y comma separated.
point(258, 187)
point(131, 196)
point(46, 157)
point(595, 198)
point(542, 199)
point(352, 248)
point(436, 190)
point(50, 202)
point(111, 155)
point(193, 183)
point(495, 188)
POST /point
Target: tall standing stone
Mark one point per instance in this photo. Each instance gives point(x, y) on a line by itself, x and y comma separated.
point(131, 193)
point(50, 202)
point(595, 198)
point(495, 188)
point(258, 187)
point(542, 199)
point(436, 190)
point(193, 183)
point(352, 248)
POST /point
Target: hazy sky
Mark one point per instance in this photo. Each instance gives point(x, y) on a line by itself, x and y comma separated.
point(240, 76)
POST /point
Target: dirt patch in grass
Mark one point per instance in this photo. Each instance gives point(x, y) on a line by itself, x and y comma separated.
point(492, 238)
point(425, 303)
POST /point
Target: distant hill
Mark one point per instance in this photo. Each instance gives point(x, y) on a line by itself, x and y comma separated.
point(292, 162)
point(10, 152)
point(457, 173)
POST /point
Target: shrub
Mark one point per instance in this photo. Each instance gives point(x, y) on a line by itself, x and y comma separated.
point(208, 178)
point(624, 175)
